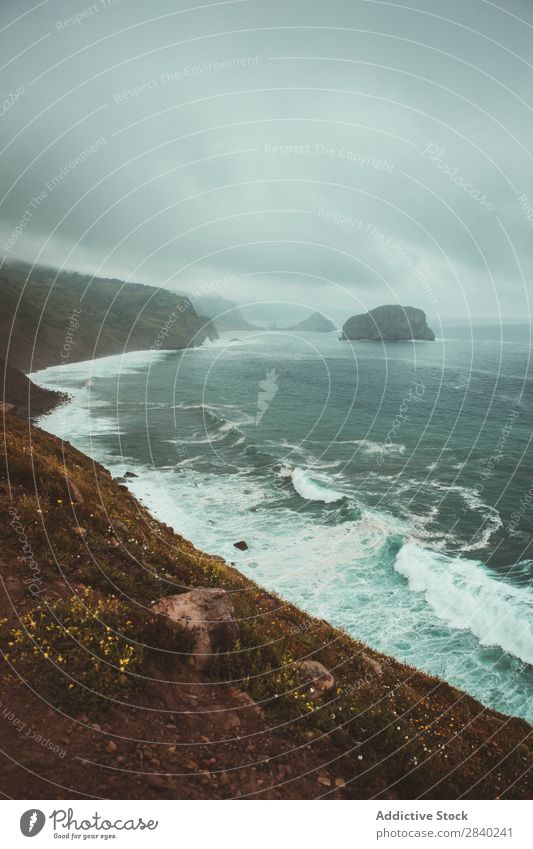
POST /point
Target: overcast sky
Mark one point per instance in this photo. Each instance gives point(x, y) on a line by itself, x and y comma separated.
point(338, 154)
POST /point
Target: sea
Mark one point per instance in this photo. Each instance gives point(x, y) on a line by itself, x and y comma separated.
point(386, 488)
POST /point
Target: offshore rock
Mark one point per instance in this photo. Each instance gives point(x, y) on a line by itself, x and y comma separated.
point(391, 323)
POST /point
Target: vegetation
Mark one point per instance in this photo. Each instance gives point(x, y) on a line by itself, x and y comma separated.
point(50, 317)
point(102, 559)
point(29, 399)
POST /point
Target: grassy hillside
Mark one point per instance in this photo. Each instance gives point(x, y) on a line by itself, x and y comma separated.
point(89, 670)
point(44, 321)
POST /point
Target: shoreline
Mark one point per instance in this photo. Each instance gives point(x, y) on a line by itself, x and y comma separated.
point(244, 729)
point(162, 516)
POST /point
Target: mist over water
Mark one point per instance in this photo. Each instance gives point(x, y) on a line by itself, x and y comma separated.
point(382, 488)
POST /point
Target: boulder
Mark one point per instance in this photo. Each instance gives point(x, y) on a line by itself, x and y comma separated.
point(320, 679)
point(391, 323)
point(209, 615)
point(241, 545)
point(376, 667)
point(157, 782)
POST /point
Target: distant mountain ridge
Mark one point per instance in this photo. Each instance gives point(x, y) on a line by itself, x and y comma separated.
point(47, 321)
point(314, 323)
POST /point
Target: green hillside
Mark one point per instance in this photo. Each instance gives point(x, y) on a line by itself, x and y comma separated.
point(45, 321)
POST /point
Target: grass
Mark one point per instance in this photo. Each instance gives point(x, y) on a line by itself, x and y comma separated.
point(395, 724)
point(113, 317)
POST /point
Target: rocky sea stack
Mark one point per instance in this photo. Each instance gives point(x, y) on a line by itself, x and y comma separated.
point(315, 323)
point(391, 323)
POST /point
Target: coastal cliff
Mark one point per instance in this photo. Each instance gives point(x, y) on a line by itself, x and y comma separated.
point(390, 323)
point(315, 323)
point(82, 562)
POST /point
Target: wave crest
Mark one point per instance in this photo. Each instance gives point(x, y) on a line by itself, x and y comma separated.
point(466, 596)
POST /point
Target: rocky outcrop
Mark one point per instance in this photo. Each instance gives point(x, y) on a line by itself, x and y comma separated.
point(73, 492)
point(53, 318)
point(376, 667)
point(391, 323)
point(315, 323)
point(225, 314)
point(210, 617)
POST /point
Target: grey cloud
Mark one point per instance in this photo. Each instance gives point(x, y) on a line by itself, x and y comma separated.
point(282, 145)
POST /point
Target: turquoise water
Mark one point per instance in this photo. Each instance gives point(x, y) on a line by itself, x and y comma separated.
point(383, 488)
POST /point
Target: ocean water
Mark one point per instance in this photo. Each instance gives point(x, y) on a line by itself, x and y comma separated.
point(385, 488)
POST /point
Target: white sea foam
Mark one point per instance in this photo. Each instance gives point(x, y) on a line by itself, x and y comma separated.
point(116, 364)
point(465, 596)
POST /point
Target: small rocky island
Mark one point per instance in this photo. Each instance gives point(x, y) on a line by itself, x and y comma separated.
point(390, 323)
point(315, 323)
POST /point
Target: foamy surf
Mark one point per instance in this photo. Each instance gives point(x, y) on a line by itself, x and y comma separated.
point(329, 542)
point(464, 595)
